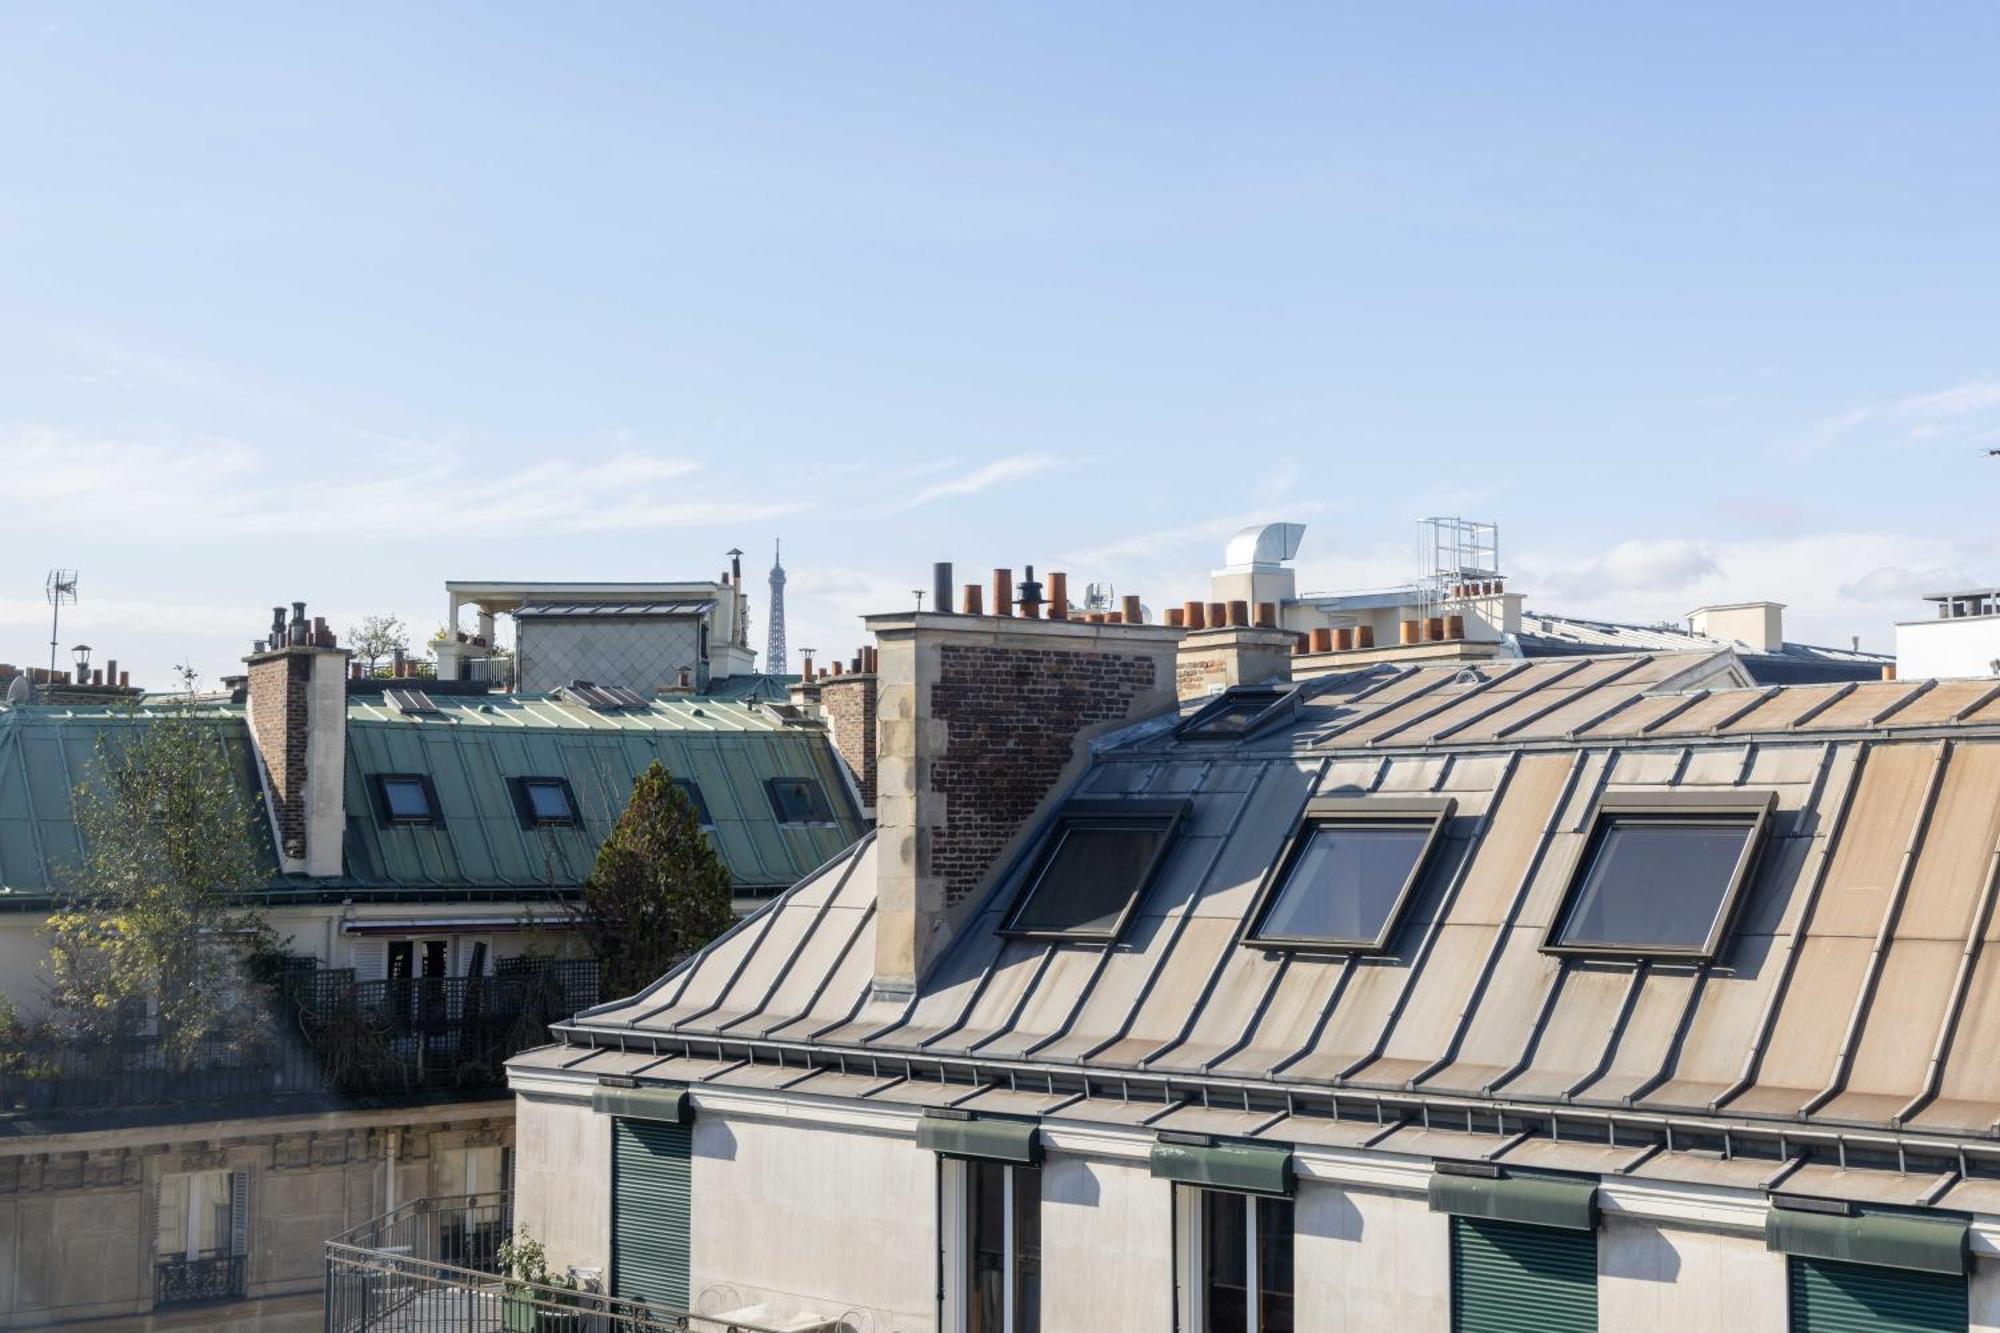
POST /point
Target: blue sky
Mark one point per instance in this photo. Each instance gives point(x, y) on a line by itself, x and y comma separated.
point(336, 303)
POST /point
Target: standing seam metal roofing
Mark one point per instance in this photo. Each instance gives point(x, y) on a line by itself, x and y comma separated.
point(1856, 991)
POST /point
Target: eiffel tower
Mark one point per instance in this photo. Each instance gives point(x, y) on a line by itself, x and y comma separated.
point(776, 660)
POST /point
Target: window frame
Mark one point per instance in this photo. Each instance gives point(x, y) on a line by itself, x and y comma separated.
point(524, 803)
point(703, 816)
point(1164, 813)
point(1191, 1254)
point(1354, 812)
point(830, 820)
point(1285, 704)
point(955, 1243)
point(385, 811)
point(1755, 809)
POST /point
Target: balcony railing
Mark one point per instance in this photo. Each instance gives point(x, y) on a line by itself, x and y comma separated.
point(211, 1277)
point(327, 1035)
point(433, 1266)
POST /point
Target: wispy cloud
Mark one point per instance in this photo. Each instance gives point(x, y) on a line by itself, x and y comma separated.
point(993, 474)
point(1966, 413)
point(168, 486)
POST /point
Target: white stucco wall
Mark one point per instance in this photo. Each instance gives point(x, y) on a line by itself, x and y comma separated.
point(1967, 646)
point(1366, 1260)
point(810, 1217)
point(562, 1180)
point(1650, 1277)
point(1107, 1247)
point(1984, 1295)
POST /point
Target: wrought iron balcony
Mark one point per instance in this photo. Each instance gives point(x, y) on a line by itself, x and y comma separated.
point(434, 1266)
point(197, 1281)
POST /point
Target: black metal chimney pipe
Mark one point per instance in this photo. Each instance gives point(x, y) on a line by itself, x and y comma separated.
point(941, 587)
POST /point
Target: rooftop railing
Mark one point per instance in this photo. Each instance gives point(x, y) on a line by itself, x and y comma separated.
point(434, 1266)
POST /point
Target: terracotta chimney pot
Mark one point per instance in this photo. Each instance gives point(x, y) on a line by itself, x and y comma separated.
point(1322, 640)
point(1134, 613)
point(974, 604)
point(1058, 595)
point(1343, 639)
point(1412, 631)
point(1364, 636)
point(1239, 615)
point(1177, 617)
point(1434, 629)
point(1196, 615)
point(1218, 615)
point(1267, 615)
point(1454, 627)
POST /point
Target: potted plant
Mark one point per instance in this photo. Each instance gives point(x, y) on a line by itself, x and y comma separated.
point(525, 1280)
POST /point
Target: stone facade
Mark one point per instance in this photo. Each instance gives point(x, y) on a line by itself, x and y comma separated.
point(848, 705)
point(77, 1209)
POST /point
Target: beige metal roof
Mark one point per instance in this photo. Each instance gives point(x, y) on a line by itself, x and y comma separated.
point(1857, 991)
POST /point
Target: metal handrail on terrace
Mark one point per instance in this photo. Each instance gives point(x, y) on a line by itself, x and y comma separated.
point(403, 1272)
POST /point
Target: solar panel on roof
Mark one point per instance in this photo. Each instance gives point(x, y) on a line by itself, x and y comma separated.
point(410, 701)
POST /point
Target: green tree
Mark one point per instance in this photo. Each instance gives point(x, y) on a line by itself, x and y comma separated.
point(155, 919)
point(658, 891)
point(377, 637)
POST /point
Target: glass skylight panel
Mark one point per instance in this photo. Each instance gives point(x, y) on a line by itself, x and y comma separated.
point(693, 792)
point(548, 801)
point(1093, 869)
point(407, 799)
point(1230, 714)
point(1660, 878)
point(799, 801)
point(1345, 876)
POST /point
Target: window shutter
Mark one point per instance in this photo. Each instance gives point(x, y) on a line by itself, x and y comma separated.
point(239, 1212)
point(1508, 1277)
point(1831, 1297)
point(650, 1210)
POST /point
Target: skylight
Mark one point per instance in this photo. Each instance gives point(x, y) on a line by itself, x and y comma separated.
point(1661, 874)
point(1232, 714)
point(547, 802)
point(693, 792)
point(799, 801)
point(1347, 873)
point(1094, 867)
point(406, 798)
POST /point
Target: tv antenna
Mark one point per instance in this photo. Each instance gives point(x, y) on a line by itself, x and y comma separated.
point(60, 588)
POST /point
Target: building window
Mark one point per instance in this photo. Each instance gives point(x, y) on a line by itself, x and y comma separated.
point(692, 790)
point(1501, 1269)
point(545, 802)
point(1661, 874)
point(1235, 1260)
point(200, 1237)
point(1094, 867)
point(799, 801)
point(1347, 874)
point(1235, 714)
point(993, 1246)
point(1827, 1296)
point(472, 1210)
point(406, 798)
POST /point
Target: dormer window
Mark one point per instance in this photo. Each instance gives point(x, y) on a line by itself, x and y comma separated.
point(1347, 874)
point(799, 801)
point(1093, 868)
point(406, 799)
point(1661, 873)
point(692, 791)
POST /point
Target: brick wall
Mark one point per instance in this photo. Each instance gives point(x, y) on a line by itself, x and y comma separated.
point(848, 703)
point(1012, 716)
point(278, 716)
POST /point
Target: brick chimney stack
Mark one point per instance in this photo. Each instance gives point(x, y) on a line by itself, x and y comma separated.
point(297, 695)
point(1214, 657)
point(982, 720)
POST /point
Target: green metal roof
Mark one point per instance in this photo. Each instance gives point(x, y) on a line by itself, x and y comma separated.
point(468, 749)
point(775, 689)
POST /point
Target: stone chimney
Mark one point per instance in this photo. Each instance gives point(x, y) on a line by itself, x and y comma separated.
point(297, 711)
point(847, 704)
point(1238, 652)
point(981, 721)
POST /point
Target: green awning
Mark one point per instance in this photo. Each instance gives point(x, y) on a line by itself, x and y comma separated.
point(668, 1104)
point(1017, 1141)
point(1542, 1201)
point(1887, 1240)
point(1245, 1167)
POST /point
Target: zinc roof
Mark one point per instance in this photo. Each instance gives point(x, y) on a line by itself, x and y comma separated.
point(1858, 988)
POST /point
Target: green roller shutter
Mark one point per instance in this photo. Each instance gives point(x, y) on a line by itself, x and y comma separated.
point(1507, 1277)
point(649, 1211)
point(1830, 1297)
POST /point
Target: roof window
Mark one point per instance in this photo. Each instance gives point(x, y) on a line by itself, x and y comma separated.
point(545, 802)
point(1661, 873)
point(692, 791)
point(1237, 713)
point(406, 798)
point(799, 801)
point(1347, 873)
point(1094, 866)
